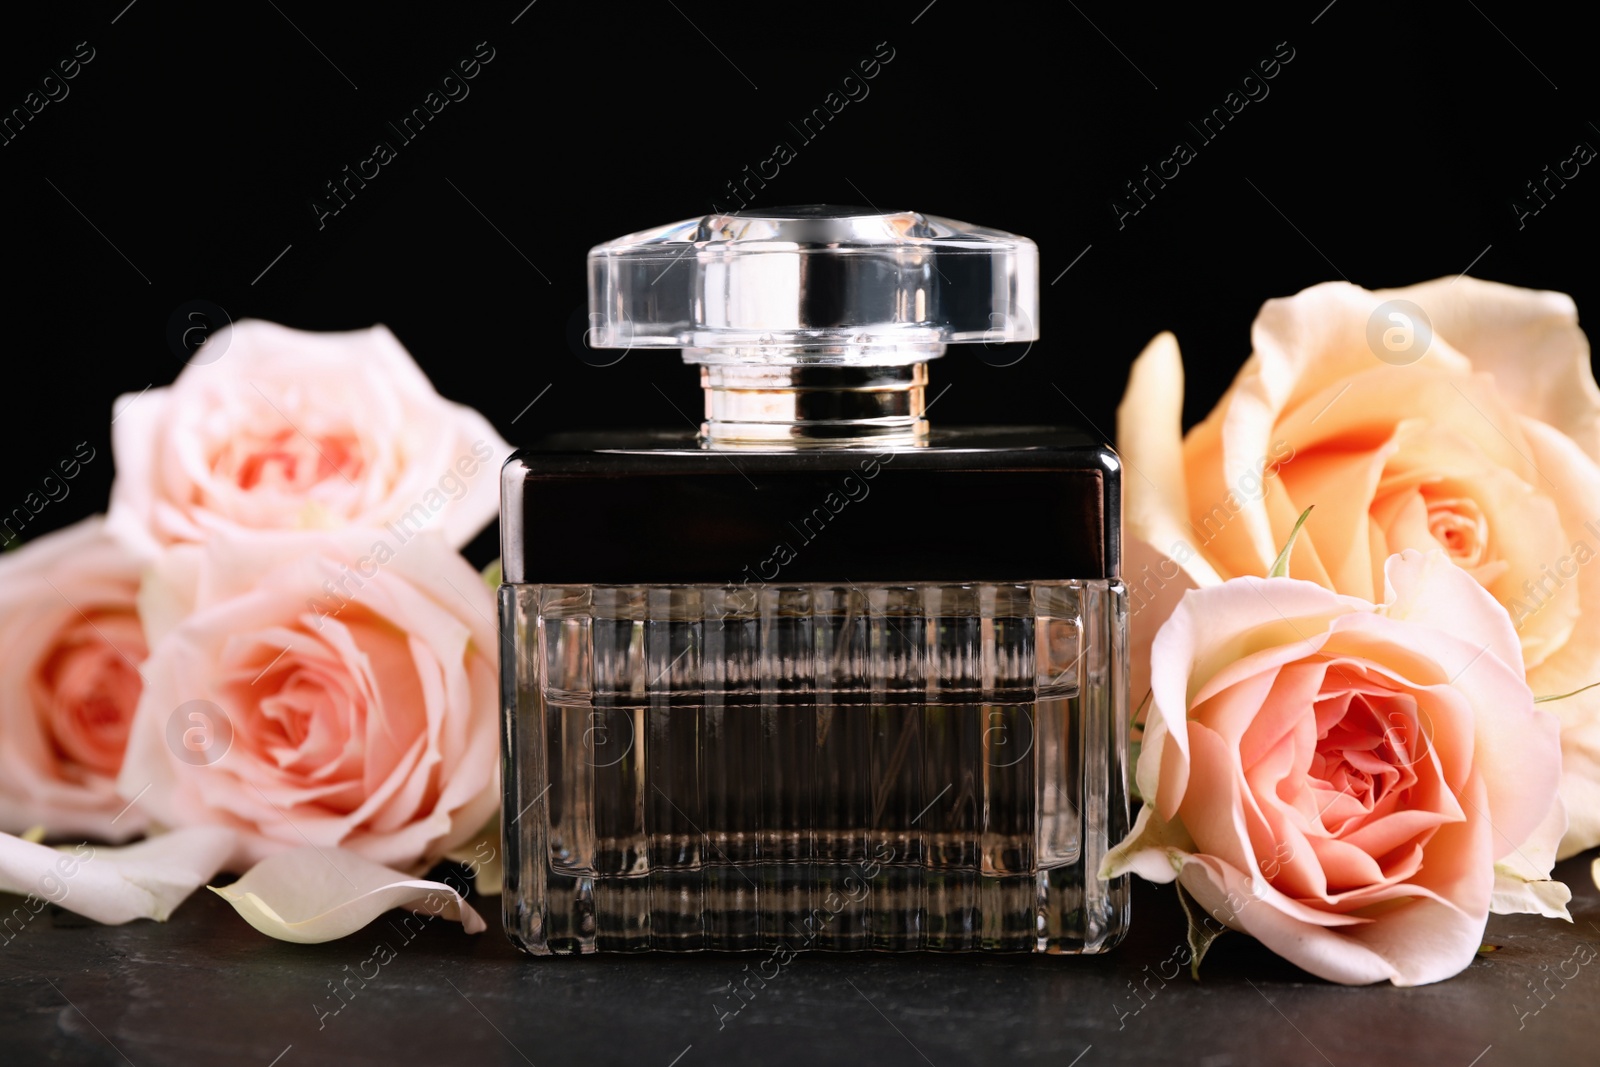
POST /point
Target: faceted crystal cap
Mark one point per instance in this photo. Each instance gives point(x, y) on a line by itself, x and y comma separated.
point(834, 284)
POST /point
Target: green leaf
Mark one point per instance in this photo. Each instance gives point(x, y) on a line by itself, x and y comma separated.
point(1563, 696)
point(491, 575)
point(1200, 936)
point(1280, 566)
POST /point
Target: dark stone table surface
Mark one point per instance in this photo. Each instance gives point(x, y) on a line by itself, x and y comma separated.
point(206, 989)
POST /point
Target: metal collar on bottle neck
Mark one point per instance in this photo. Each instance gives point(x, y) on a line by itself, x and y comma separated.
point(763, 406)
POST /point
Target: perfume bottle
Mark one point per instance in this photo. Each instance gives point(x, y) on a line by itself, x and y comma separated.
point(815, 676)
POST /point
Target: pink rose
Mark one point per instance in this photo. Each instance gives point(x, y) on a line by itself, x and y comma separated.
point(71, 646)
point(1357, 786)
point(334, 689)
point(1458, 415)
point(292, 430)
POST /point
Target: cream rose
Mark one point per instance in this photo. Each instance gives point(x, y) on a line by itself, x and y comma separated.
point(333, 689)
point(72, 646)
point(1472, 428)
point(293, 430)
point(1357, 786)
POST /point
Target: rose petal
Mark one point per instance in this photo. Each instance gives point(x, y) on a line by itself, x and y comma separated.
point(68, 683)
point(115, 885)
point(1200, 641)
point(1577, 663)
point(135, 426)
point(1430, 591)
point(1528, 339)
point(1230, 896)
point(1155, 583)
point(1516, 895)
point(1425, 588)
point(1152, 749)
point(1339, 482)
point(1424, 940)
point(309, 895)
point(298, 430)
point(1522, 883)
point(1216, 812)
point(1580, 785)
point(369, 726)
point(1155, 849)
point(1155, 505)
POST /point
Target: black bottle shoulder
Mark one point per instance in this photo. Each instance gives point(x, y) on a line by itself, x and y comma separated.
point(972, 504)
point(947, 448)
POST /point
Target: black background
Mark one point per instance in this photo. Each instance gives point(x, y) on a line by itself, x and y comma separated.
point(187, 154)
point(184, 162)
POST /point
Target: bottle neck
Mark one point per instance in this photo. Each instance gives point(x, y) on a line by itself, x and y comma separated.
point(813, 405)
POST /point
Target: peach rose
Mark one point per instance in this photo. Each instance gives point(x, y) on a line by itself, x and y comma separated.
point(72, 644)
point(333, 689)
point(292, 430)
point(1356, 786)
point(1458, 415)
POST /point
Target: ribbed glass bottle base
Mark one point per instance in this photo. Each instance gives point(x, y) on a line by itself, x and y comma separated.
point(866, 768)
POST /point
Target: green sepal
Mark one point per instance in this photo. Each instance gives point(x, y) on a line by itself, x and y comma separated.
point(1201, 936)
point(1280, 566)
point(1563, 696)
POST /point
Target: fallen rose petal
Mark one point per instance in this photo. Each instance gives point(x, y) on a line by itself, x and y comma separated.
point(311, 895)
point(1522, 883)
point(1516, 895)
point(115, 885)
